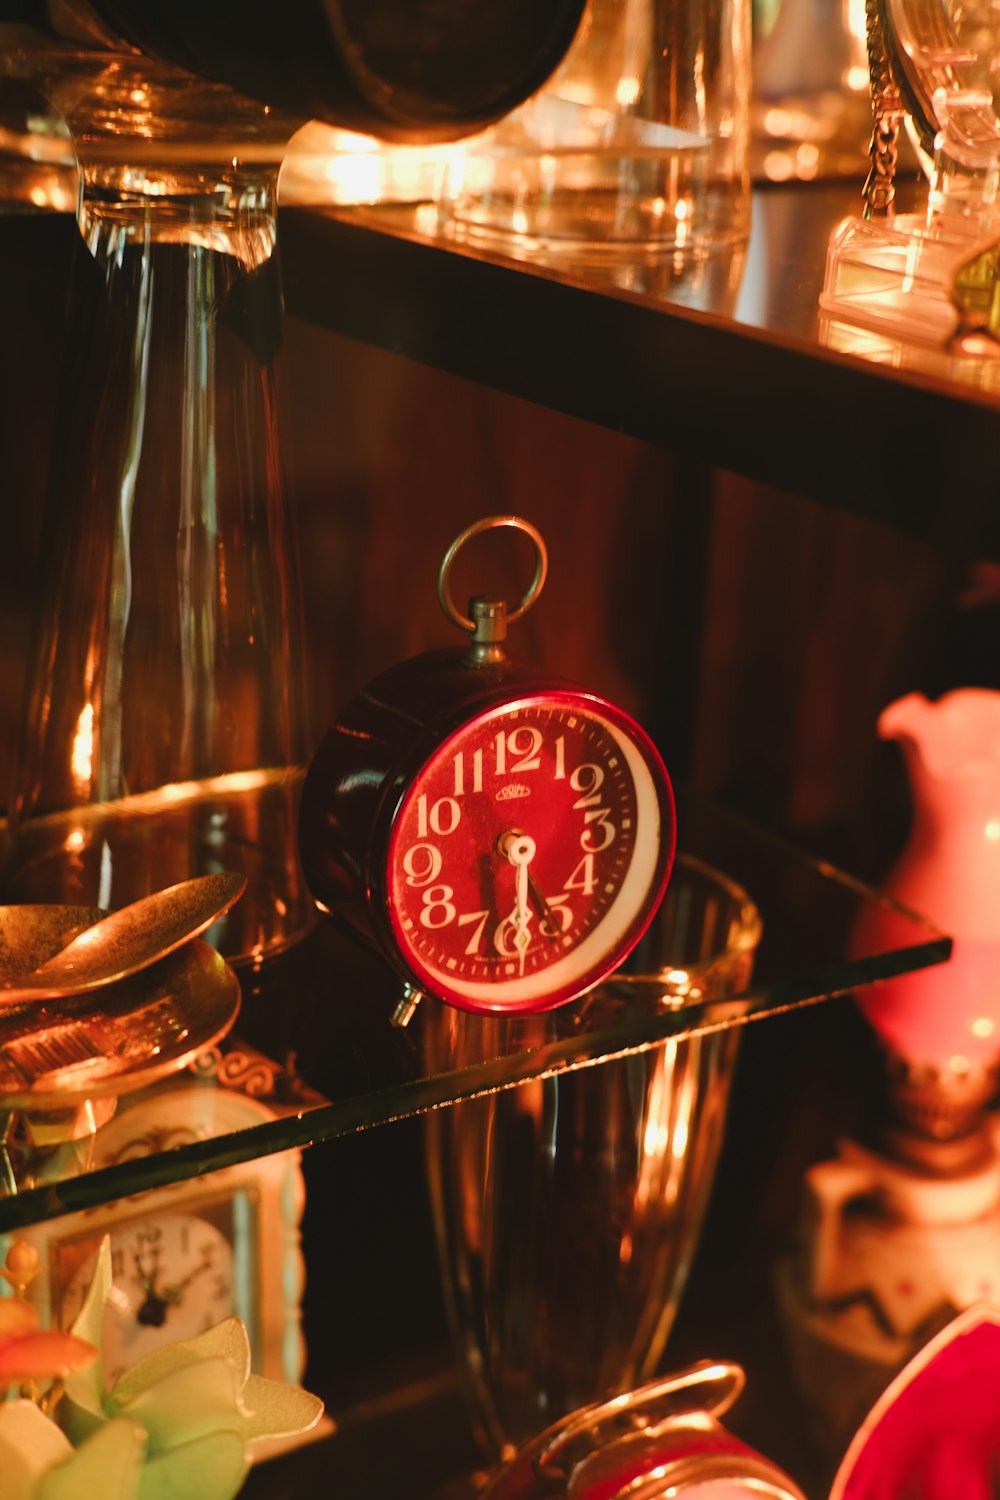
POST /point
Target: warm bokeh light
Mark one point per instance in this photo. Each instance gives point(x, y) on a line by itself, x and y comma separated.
point(82, 753)
point(628, 91)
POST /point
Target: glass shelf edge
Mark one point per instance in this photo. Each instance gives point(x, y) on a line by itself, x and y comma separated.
point(414, 1097)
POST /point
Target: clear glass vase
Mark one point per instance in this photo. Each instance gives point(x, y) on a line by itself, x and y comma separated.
point(567, 1210)
point(637, 146)
point(163, 735)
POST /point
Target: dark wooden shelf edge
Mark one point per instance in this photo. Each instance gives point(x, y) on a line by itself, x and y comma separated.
point(821, 425)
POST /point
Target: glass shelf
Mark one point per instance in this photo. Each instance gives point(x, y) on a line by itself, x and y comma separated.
point(323, 1010)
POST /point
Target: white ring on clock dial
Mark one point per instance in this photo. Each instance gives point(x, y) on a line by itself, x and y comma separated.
point(465, 775)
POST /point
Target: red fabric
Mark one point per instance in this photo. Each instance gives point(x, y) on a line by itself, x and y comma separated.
point(935, 1433)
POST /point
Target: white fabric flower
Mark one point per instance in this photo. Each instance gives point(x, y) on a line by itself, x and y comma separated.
point(38, 1461)
point(195, 1403)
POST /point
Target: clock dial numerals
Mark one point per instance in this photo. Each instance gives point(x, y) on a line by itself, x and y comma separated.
point(524, 853)
point(172, 1278)
point(441, 818)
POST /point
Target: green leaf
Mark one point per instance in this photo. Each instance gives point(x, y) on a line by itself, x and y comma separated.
point(86, 1387)
point(78, 1422)
point(227, 1340)
point(272, 1409)
point(188, 1402)
point(212, 1468)
point(107, 1467)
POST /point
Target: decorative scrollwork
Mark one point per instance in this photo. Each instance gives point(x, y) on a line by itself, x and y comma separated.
point(249, 1072)
point(251, 1075)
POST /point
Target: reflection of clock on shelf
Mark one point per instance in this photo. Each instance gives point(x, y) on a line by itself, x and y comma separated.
point(187, 1255)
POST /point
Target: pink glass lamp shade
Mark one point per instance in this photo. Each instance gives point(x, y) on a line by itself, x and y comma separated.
point(901, 1230)
point(943, 1023)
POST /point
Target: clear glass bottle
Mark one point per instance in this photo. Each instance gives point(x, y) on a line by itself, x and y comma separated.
point(637, 145)
point(163, 734)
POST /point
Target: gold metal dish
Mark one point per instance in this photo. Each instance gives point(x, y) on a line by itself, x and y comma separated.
point(30, 935)
point(121, 1037)
point(124, 941)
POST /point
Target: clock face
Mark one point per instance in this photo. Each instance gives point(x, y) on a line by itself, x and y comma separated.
point(529, 853)
point(173, 1276)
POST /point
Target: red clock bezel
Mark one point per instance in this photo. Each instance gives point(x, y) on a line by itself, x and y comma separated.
point(402, 785)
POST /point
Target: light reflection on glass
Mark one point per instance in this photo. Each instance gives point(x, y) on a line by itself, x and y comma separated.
point(82, 753)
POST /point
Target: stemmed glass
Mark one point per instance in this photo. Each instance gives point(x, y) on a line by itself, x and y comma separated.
point(567, 1209)
point(928, 277)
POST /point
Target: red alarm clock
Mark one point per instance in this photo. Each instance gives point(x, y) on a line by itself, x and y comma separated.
point(663, 1441)
point(502, 836)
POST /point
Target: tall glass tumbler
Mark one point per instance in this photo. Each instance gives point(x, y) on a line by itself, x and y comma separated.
point(637, 145)
point(163, 734)
point(567, 1210)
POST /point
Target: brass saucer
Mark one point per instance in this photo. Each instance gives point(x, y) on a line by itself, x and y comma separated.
point(126, 1035)
point(30, 934)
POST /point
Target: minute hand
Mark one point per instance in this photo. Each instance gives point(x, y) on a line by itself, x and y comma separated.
point(547, 914)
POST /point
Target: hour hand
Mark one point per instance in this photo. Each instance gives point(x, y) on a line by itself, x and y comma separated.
point(152, 1311)
point(519, 849)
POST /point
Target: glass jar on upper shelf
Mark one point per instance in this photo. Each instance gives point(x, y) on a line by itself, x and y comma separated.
point(636, 147)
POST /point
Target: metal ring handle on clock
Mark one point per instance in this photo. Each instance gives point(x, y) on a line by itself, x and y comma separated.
point(710, 1387)
point(491, 523)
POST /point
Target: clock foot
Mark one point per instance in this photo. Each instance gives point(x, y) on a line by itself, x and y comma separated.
point(408, 1002)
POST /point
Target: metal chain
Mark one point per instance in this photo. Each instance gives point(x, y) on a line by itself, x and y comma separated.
point(887, 110)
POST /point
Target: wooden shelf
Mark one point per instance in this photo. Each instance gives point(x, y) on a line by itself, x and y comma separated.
point(730, 361)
